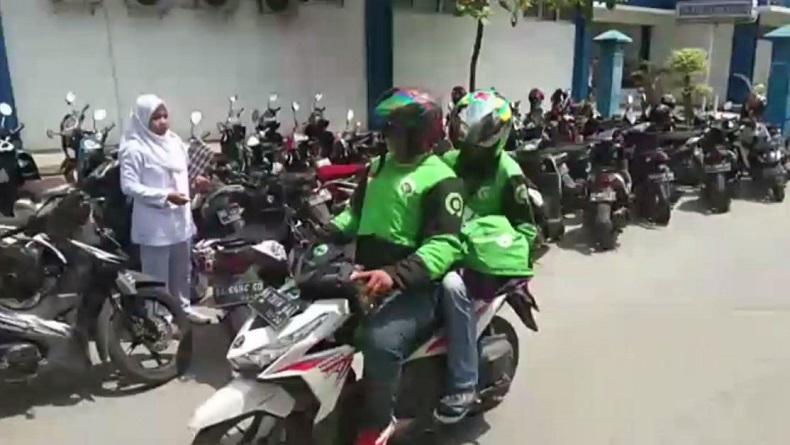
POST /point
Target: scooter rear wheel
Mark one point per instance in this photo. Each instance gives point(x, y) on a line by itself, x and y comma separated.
point(500, 326)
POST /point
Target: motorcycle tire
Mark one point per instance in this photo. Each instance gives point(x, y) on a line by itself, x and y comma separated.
point(662, 209)
point(721, 195)
point(604, 232)
point(778, 192)
point(111, 326)
point(500, 326)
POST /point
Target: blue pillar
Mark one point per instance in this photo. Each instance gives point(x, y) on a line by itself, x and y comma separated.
point(582, 55)
point(609, 77)
point(379, 41)
point(6, 92)
point(778, 111)
point(744, 50)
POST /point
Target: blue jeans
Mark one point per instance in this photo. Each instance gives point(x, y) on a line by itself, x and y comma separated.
point(389, 336)
point(461, 329)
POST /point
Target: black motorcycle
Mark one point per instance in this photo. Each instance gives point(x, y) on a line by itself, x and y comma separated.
point(606, 212)
point(16, 165)
point(653, 179)
point(719, 164)
point(50, 312)
point(766, 161)
point(266, 145)
point(232, 136)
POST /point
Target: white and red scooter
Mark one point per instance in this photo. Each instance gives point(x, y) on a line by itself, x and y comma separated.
point(293, 377)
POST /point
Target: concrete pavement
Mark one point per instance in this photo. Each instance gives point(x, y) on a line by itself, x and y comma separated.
point(679, 337)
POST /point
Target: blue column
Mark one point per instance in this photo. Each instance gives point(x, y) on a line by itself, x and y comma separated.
point(778, 111)
point(582, 55)
point(609, 77)
point(6, 91)
point(744, 50)
point(379, 41)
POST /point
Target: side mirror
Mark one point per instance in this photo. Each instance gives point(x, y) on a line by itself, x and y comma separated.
point(253, 141)
point(6, 109)
point(196, 117)
point(727, 106)
point(630, 99)
point(255, 116)
point(233, 98)
point(70, 97)
point(98, 115)
point(273, 97)
point(295, 106)
point(318, 97)
point(50, 134)
point(350, 116)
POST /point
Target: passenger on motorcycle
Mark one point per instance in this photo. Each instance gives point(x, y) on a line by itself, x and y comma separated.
point(406, 218)
point(499, 224)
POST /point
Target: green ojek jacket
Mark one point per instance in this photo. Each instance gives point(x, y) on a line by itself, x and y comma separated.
point(407, 220)
point(499, 226)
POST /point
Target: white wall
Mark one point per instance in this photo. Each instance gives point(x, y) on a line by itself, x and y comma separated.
point(433, 51)
point(192, 58)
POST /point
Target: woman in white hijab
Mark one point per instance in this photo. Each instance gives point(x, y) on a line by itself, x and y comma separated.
point(154, 174)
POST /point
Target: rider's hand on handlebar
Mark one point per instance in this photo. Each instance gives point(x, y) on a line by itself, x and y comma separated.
point(377, 282)
point(178, 199)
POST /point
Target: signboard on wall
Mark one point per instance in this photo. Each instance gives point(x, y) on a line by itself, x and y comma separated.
point(716, 10)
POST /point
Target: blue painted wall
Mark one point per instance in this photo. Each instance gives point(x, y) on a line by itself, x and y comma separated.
point(744, 50)
point(6, 90)
point(582, 55)
point(379, 42)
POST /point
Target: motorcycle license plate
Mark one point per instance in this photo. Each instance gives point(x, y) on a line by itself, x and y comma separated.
point(606, 195)
point(229, 215)
point(663, 177)
point(319, 198)
point(237, 293)
point(274, 307)
point(718, 168)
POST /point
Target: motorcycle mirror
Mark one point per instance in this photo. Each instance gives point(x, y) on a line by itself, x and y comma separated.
point(233, 98)
point(295, 106)
point(350, 116)
point(50, 134)
point(70, 97)
point(6, 109)
point(253, 141)
point(273, 97)
point(630, 99)
point(196, 117)
point(727, 106)
point(255, 116)
point(98, 115)
point(359, 124)
point(318, 97)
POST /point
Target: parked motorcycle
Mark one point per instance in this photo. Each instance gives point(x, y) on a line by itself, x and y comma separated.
point(267, 143)
point(70, 137)
point(653, 179)
point(294, 381)
point(606, 212)
point(16, 165)
point(232, 136)
point(49, 311)
point(719, 163)
point(767, 164)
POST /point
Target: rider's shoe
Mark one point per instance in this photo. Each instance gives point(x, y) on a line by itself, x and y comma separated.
point(454, 407)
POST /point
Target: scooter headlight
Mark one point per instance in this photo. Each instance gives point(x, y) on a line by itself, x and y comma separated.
point(259, 358)
point(772, 156)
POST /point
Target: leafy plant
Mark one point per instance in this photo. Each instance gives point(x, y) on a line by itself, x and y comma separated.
point(649, 77)
point(688, 66)
point(481, 11)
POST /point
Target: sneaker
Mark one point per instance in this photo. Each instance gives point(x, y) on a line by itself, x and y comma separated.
point(196, 317)
point(454, 407)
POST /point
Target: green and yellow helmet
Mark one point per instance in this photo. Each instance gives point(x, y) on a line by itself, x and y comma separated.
point(482, 120)
point(414, 110)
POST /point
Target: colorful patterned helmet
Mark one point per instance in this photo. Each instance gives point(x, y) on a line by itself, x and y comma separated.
point(483, 119)
point(413, 110)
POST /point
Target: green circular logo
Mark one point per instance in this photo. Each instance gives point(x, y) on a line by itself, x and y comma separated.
point(320, 250)
point(504, 241)
point(407, 187)
point(454, 204)
point(484, 193)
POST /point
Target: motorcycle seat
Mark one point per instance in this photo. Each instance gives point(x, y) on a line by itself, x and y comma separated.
point(338, 171)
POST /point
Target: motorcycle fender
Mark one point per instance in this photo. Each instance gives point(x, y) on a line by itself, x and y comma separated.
point(239, 397)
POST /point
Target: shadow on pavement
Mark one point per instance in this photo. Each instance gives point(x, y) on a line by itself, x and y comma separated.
point(576, 239)
point(209, 347)
point(466, 432)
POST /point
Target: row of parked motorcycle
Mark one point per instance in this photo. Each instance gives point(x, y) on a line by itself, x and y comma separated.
point(635, 165)
point(287, 302)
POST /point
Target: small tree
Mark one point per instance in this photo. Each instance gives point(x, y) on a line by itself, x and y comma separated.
point(481, 10)
point(688, 65)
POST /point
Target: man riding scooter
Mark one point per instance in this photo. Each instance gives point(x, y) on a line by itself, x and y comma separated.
point(498, 203)
point(406, 219)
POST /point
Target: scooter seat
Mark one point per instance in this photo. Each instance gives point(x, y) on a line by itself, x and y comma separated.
point(338, 171)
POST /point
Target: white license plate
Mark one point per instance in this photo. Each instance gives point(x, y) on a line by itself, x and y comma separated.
point(665, 176)
point(321, 197)
point(230, 215)
point(606, 195)
point(718, 168)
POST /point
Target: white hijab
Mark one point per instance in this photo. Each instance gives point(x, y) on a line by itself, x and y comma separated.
point(168, 150)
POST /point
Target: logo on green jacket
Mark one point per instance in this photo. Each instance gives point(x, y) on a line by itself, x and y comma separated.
point(454, 204)
point(407, 187)
point(483, 193)
point(522, 194)
point(505, 240)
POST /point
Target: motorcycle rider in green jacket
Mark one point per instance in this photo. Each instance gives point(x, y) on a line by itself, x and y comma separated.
point(499, 228)
point(406, 218)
